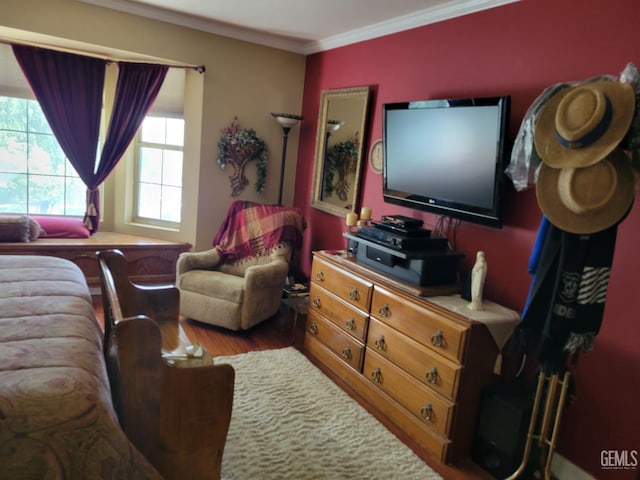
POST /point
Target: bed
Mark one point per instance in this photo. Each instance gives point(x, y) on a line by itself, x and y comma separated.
point(56, 414)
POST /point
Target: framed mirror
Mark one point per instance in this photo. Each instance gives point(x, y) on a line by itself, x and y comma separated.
point(339, 150)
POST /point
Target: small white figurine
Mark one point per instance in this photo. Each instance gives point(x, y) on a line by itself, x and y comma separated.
point(478, 275)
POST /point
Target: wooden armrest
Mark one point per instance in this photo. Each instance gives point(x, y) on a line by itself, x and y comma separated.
point(161, 303)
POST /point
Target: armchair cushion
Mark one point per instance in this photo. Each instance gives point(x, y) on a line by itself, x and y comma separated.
point(227, 287)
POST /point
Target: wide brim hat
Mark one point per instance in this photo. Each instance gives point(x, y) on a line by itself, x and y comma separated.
point(590, 199)
point(578, 126)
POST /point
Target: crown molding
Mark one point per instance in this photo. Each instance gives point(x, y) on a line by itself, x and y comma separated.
point(451, 9)
point(204, 25)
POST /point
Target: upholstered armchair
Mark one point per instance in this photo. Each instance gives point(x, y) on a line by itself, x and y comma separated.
point(238, 283)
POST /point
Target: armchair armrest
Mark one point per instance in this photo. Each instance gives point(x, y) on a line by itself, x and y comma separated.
point(272, 274)
point(197, 260)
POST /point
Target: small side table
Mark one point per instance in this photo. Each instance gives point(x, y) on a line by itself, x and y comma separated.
point(296, 297)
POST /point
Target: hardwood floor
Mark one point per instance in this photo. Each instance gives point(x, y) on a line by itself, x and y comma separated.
point(277, 332)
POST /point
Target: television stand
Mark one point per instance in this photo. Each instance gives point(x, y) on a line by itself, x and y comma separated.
point(421, 267)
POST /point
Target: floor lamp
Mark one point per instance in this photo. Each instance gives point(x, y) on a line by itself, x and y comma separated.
point(286, 121)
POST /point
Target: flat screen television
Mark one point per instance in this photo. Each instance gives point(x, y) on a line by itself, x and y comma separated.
point(447, 156)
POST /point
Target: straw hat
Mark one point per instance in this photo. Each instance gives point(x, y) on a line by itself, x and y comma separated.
point(581, 125)
point(590, 199)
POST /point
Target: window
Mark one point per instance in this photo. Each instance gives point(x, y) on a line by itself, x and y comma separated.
point(35, 175)
point(159, 169)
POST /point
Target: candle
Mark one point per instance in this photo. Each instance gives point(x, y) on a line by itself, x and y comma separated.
point(365, 213)
point(352, 219)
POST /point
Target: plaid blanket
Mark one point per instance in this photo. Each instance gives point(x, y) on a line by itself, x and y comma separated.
point(252, 229)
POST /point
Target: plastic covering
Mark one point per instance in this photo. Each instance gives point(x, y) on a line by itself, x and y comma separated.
point(632, 142)
point(525, 162)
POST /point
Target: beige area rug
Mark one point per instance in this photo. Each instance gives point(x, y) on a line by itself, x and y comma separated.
point(290, 421)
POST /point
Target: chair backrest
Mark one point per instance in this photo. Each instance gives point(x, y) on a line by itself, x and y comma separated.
point(162, 303)
point(110, 301)
point(239, 267)
point(132, 348)
point(252, 230)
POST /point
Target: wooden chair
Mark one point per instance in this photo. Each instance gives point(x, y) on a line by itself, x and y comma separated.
point(174, 407)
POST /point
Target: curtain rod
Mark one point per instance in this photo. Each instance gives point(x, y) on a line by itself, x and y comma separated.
point(197, 68)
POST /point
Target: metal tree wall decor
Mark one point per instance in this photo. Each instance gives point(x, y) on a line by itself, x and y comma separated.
point(342, 160)
point(239, 146)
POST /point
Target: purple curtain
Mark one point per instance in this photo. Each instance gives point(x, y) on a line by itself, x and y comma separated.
point(69, 89)
point(137, 88)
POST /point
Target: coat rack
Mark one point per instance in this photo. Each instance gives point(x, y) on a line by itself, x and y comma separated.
point(550, 422)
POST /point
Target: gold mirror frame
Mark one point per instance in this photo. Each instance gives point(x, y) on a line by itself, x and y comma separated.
point(339, 149)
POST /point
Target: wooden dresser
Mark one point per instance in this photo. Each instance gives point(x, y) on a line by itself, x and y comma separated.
point(420, 365)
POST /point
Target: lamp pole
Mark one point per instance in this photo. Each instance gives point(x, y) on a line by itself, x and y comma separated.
point(286, 121)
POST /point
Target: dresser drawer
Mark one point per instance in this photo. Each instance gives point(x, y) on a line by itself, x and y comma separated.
point(351, 288)
point(419, 399)
point(425, 437)
point(430, 328)
point(348, 318)
point(342, 344)
point(432, 369)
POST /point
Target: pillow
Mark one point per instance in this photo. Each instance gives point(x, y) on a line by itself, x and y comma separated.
point(35, 230)
point(62, 227)
point(14, 229)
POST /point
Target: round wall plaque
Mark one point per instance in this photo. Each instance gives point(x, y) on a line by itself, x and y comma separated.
point(375, 156)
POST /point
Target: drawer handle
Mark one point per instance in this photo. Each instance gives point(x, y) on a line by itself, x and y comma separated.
point(376, 375)
point(346, 353)
point(354, 295)
point(384, 311)
point(320, 276)
point(380, 343)
point(313, 328)
point(427, 412)
point(432, 375)
point(351, 324)
point(316, 302)
point(437, 340)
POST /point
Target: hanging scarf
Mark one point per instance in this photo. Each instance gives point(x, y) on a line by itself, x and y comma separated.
point(568, 292)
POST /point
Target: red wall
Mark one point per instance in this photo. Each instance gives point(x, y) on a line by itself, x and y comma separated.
point(519, 50)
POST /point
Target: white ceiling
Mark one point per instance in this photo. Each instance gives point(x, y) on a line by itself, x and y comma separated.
point(302, 26)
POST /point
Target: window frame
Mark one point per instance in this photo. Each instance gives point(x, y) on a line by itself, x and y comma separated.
point(139, 144)
point(69, 173)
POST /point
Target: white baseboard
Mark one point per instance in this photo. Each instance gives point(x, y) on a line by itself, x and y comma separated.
point(563, 469)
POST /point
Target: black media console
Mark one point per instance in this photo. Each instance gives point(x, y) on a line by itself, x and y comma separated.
point(427, 265)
